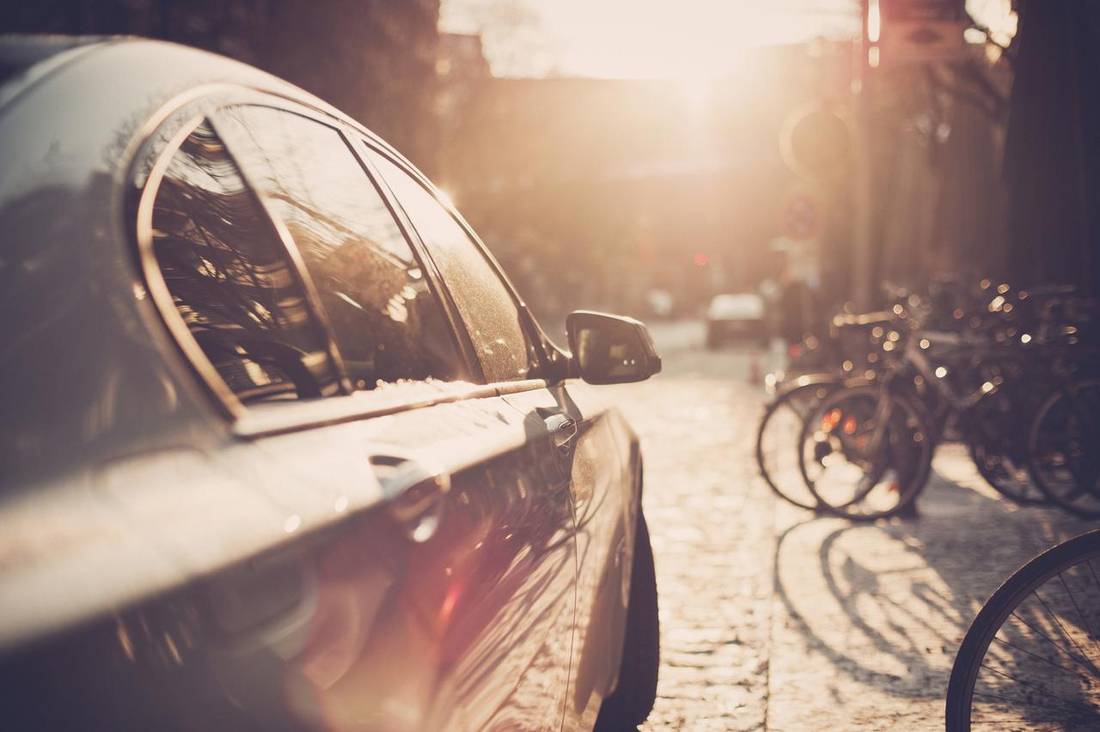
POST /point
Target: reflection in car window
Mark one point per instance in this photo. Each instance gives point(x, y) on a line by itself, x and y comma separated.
point(385, 318)
point(231, 279)
point(491, 315)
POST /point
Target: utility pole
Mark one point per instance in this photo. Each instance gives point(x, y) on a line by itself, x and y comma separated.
point(863, 159)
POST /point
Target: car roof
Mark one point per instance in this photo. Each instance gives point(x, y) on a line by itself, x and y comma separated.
point(73, 116)
point(112, 84)
point(18, 54)
point(743, 305)
point(743, 299)
point(92, 380)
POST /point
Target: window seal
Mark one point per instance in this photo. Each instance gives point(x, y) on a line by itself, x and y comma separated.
point(224, 399)
point(459, 337)
point(227, 402)
point(462, 337)
point(185, 113)
point(290, 248)
point(303, 415)
point(530, 326)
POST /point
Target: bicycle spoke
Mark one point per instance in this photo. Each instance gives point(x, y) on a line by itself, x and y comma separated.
point(1080, 614)
point(1046, 691)
point(1065, 633)
point(1034, 670)
point(1054, 643)
point(1003, 642)
point(1092, 571)
point(1088, 712)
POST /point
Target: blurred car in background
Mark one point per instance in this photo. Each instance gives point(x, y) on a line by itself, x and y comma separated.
point(659, 303)
point(736, 318)
point(281, 448)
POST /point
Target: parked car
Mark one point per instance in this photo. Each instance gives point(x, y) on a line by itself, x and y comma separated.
point(659, 303)
point(281, 448)
point(733, 318)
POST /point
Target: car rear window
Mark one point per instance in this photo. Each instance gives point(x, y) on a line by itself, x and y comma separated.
point(232, 281)
point(386, 320)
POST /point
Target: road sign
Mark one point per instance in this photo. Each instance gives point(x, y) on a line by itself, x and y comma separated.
point(815, 143)
point(921, 31)
point(922, 10)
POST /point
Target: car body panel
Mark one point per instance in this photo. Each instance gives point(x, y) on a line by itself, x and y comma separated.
point(50, 161)
point(164, 565)
point(607, 504)
point(434, 626)
point(123, 395)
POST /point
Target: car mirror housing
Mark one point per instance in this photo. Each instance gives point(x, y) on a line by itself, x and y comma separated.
point(610, 349)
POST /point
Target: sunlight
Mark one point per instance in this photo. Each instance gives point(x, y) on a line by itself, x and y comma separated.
point(696, 93)
point(446, 197)
point(874, 22)
point(649, 39)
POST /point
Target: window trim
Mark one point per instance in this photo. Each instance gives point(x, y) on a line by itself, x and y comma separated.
point(441, 289)
point(530, 326)
point(224, 398)
point(328, 411)
point(228, 401)
point(297, 264)
point(463, 348)
point(156, 143)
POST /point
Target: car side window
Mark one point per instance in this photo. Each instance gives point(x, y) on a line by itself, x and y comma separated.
point(232, 281)
point(385, 318)
point(491, 315)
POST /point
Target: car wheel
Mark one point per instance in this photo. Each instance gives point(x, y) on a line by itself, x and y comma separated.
point(631, 702)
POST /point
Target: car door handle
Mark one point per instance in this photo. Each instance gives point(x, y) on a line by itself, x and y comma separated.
point(562, 428)
point(415, 494)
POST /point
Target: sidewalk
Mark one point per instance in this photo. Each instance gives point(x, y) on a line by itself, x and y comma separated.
point(774, 618)
point(866, 619)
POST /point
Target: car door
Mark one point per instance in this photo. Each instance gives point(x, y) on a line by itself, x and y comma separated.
point(489, 551)
point(587, 440)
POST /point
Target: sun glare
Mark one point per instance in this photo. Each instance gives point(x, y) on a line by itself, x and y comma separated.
point(696, 91)
point(692, 39)
point(874, 21)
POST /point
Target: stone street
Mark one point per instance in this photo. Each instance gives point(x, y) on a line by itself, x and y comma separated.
point(772, 618)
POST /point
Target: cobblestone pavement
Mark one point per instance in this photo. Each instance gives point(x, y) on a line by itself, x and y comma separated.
point(773, 618)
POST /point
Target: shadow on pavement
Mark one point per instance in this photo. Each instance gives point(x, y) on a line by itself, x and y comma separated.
point(887, 604)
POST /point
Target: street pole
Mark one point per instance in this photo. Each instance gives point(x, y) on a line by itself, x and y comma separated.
point(862, 254)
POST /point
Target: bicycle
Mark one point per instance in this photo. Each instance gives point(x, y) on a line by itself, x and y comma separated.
point(1032, 655)
point(849, 336)
point(1025, 419)
point(866, 452)
point(1062, 447)
point(776, 450)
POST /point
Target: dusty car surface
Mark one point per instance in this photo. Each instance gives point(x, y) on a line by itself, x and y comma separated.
point(281, 448)
point(732, 318)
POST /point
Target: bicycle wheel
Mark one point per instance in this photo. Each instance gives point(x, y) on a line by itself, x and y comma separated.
point(996, 436)
point(777, 437)
point(1007, 474)
point(1062, 449)
point(865, 453)
point(1030, 658)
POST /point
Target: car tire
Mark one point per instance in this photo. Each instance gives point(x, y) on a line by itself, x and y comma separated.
point(631, 702)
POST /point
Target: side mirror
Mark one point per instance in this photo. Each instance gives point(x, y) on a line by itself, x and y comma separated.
point(609, 349)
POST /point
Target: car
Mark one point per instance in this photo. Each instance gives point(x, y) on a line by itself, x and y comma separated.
point(281, 447)
point(737, 317)
point(659, 303)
